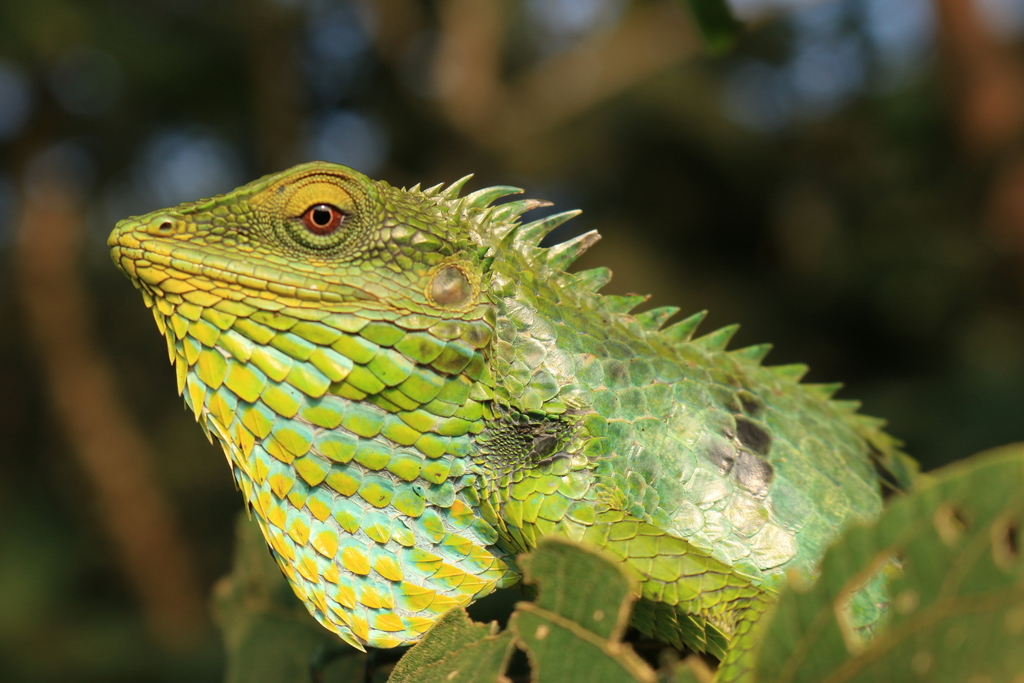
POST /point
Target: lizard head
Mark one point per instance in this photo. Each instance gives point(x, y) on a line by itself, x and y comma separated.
point(330, 332)
point(322, 234)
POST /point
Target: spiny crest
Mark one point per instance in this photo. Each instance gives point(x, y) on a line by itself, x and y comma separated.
point(510, 211)
point(499, 229)
point(847, 406)
point(526, 238)
point(872, 422)
point(453, 190)
point(824, 391)
point(794, 372)
point(481, 199)
point(440, 191)
point(623, 303)
point(683, 330)
point(594, 279)
point(498, 225)
point(654, 318)
point(532, 233)
point(752, 354)
point(562, 255)
point(717, 340)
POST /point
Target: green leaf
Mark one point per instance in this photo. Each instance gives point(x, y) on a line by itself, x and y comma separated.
point(574, 630)
point(456, 650)
point(716, 23)
point(950, 556)
point(572, 633)
point(693, 669)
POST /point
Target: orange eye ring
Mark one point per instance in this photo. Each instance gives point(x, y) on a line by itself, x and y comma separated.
point(323, 219)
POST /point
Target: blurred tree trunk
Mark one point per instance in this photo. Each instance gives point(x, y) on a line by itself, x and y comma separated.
point(510, 117)
point(986, 86)
point(273, 32)
point(110, 449)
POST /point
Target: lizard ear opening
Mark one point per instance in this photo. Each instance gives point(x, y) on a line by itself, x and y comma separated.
point(451, 287)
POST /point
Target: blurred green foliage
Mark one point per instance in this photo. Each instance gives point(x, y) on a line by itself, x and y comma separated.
point(810, 183)
point(716, 23)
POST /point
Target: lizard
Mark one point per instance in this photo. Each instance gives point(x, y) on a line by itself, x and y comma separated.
point(410, 391)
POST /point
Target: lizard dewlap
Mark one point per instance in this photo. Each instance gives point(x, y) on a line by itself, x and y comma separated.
point(410, 391)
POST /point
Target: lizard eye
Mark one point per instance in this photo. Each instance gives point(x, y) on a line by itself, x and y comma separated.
point(323, 219)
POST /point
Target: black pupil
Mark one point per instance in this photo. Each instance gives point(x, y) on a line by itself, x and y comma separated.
point(322, 216)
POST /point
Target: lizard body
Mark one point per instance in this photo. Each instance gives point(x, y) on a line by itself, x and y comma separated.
point(410, 391)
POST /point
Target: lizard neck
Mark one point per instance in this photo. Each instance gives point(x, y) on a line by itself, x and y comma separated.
point(537, 459)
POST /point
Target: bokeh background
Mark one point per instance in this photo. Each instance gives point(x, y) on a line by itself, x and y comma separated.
point(846, 178)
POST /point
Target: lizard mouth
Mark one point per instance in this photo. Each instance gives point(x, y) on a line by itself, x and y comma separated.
point(162, 262)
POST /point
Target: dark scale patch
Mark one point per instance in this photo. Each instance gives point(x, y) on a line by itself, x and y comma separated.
point(725, 397)
point(515, 441)
point(753, 436)
point(543, 445)
point(616, 374)
point(752, 405)
point(753, 474)
point(723, 456)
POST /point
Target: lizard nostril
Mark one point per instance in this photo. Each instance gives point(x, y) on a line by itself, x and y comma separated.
point(166, 226)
